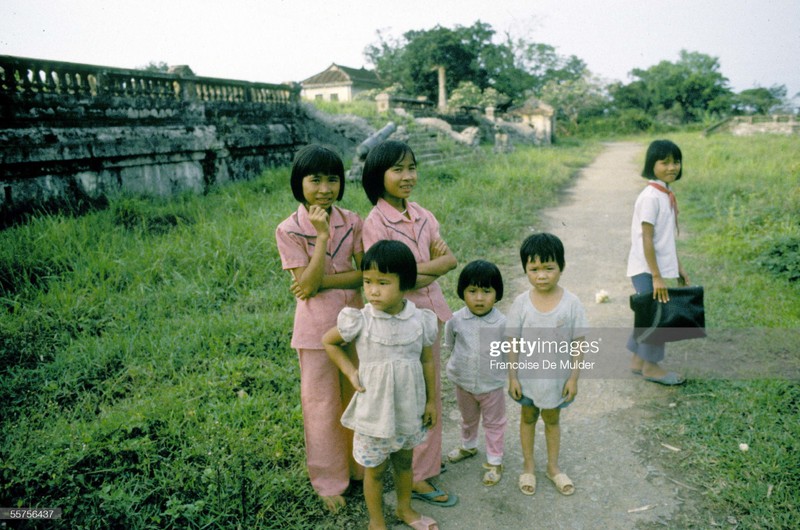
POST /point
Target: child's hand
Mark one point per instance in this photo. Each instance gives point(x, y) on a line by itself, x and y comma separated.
point(298, 291)
point(570, 389)
point(514, 389)
point(319, 219)
point(660, 292)
point(438, 249)
point(429, 416)
point(355, 381)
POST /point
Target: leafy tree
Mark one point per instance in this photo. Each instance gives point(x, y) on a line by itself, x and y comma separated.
point(536, 65)
point(466, 95)
point(413, 61)
point(515, 67)
point(469, 95)
point(153, 66)
point(575, 100)
point(761, 100)
point(690, 88)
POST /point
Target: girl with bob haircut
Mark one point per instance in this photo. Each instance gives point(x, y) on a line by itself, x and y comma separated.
point(315, 160)
point(661, 150)
point(320, 245)
point(478, 386)
point(653, 257)
point(483, 274)
point(395, 400)
point(389, 176)
point(392, 257)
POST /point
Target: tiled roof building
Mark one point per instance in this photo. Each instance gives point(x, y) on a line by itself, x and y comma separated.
point(339, 83)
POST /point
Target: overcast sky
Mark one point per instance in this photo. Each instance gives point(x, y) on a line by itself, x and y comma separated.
point(757, 42)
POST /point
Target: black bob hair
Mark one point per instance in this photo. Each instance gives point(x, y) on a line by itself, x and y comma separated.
point(661, 150)
point(315, 159)
point(546, 246)
point(483, 274)
point(392, 257)
point(380, 159)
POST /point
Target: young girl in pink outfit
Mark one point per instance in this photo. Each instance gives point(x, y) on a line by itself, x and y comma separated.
point(389, 176)
point(320, 245)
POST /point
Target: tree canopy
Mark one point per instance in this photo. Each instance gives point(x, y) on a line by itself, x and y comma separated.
point(485, 68)
point(514, 67)
point(686, 89)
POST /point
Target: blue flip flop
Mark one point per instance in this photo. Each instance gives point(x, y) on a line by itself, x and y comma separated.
point(430, 497)
point(670, 379)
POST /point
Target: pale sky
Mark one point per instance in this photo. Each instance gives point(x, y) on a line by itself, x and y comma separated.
point(757, 42)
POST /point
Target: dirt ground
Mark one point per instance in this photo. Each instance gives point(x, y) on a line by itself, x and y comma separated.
point(617, 474)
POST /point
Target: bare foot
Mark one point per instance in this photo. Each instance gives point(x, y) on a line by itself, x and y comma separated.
point(333, 503)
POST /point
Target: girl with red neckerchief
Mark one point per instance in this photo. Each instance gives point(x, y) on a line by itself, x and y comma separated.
point(653, 257)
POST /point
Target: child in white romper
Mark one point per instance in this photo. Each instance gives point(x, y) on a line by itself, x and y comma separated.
point(395, 400)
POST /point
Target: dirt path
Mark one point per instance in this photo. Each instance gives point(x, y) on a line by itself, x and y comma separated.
point(618, 483)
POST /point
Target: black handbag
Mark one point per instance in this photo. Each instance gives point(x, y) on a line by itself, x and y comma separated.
point(683, 317)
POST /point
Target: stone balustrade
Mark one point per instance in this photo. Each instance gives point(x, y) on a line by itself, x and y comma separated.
point(20, 76)
point(757, 124)
point(55, 91)
point(74, 132)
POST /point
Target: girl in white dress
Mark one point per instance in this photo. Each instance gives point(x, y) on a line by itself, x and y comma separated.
point(395, 398)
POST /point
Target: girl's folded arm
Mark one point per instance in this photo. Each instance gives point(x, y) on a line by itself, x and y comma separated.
point(344, 280)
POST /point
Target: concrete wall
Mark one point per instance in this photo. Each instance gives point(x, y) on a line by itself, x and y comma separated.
point(72, 132)
point(758, 124)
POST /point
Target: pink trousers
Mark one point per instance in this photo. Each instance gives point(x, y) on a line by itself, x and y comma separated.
point(324, 394)
point(492, 405)
point(427, 460)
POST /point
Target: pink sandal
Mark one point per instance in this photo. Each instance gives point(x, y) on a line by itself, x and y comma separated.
point(424, 523)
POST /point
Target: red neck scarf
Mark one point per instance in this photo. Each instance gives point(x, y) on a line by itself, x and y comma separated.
point(673, 202)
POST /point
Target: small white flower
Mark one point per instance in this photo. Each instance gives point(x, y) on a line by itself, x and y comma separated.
point(744, 447)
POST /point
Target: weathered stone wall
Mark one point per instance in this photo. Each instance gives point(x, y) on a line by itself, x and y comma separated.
point(758, 124)
point(72, 132)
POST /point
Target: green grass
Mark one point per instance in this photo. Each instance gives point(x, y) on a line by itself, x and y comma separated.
point(146, 376)
point(740, 209)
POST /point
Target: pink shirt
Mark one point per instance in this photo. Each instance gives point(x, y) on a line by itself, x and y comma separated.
point(418, 232)
point(296, 237)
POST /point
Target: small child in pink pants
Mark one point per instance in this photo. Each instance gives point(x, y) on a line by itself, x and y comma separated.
point(479, 387)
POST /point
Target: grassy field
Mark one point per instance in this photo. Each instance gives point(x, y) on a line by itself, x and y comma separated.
point(148, 382)
point(740, 203)
point(147, 378)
